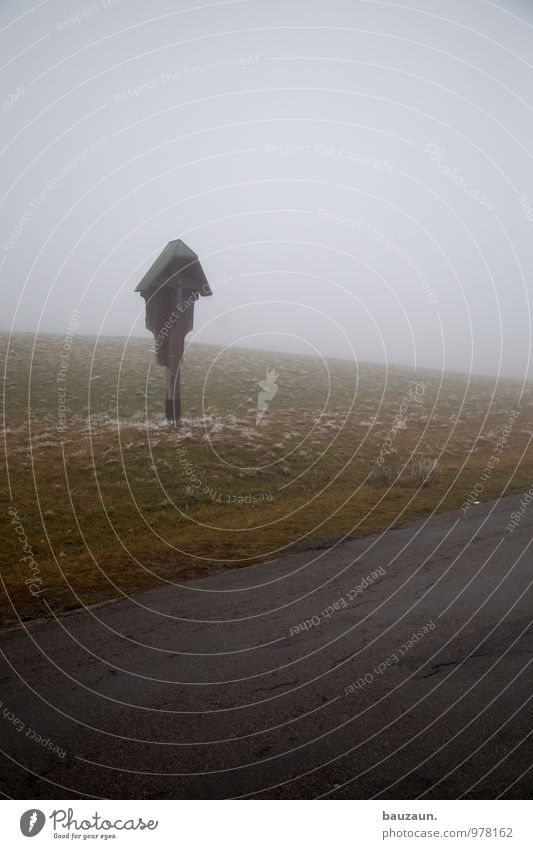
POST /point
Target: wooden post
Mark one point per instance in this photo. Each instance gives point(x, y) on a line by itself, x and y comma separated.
point(176, 343)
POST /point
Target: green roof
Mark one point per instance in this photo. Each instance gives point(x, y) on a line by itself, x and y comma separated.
point(175, 258)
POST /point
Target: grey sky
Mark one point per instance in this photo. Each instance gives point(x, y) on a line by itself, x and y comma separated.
point(356, 177)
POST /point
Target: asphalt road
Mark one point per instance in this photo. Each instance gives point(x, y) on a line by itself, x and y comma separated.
point(207, 690)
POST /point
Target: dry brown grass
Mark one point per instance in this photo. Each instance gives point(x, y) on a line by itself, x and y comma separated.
point(109, 506)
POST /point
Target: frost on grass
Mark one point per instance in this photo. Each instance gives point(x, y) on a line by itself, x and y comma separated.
point(338, 424)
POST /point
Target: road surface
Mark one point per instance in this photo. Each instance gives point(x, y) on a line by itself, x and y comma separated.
point(292, 679)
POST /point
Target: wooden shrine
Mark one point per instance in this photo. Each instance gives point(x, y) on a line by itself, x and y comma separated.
point(170, 289)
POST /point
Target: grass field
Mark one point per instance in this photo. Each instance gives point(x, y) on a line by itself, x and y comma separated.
point(105, 498)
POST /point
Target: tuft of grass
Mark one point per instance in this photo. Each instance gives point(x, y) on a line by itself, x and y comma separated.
point(420, 471)
point(416, 471)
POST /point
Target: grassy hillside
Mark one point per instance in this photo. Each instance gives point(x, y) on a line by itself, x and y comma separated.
point(111, 499)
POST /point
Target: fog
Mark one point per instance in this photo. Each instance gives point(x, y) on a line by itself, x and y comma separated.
point(355, 176)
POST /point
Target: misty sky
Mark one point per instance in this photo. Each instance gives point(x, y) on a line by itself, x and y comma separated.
point(355, 176)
